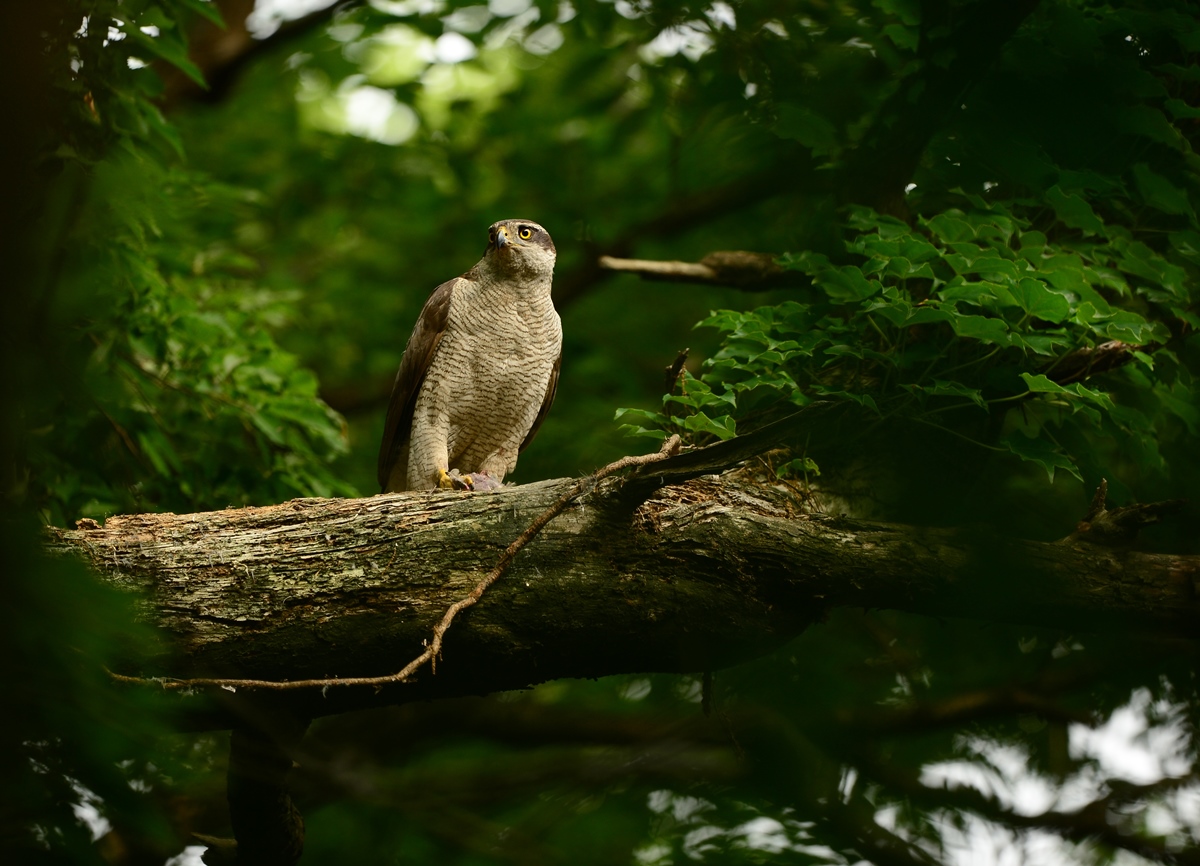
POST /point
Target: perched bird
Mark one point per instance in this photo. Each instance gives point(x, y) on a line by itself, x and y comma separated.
point(479, 371)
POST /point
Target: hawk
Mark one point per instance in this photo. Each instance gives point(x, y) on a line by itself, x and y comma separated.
point(479, 371)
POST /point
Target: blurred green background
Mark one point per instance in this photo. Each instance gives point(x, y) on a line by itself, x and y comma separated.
point(211, 288)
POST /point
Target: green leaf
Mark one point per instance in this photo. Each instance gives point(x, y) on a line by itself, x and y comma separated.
point(1180, 110)
point(1159, 192)
point(1036, 299)
point(724, 320)
point(985, 328)
point(1040, 384)
point(158, 450)
point(903, 37)
point(1181, 402)
point(864, 400)
point(908, 11)
point(170, 49)
point(1099, 398)
point(1039, 343)
point(1189, 73)
point(1187, 244)
point(971, 259)
point(634, 431)
point(951, 228)
point(154, 120)
point(723, 427)
point(700, 396)
point(846, 283)
point(1137, 258)
point(1149, 122)
point(1042, 453)
point(204, 8)
point(980, 293)
point(943, 388)
point(801, 467)
point(651, 420)
point(802, 124)
point(1074, 211)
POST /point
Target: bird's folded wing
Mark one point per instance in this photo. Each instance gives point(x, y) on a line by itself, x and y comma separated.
point(418, 355)
point(547, 401)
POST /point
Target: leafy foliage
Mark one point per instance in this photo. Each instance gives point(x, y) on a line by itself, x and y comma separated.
point(971, 310)
point(974, 317)
point(185, 400)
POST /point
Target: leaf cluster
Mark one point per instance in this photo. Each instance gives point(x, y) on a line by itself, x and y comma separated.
point(1051, 320)
point(176, 393)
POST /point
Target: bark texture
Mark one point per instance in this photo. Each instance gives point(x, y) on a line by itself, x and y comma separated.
point(699, 575)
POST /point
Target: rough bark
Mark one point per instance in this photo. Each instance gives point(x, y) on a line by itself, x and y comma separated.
point(701, 575)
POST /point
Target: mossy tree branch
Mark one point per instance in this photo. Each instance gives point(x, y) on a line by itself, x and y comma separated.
point(699, 575)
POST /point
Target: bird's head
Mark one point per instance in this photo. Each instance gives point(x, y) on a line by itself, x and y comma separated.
point(521, 248)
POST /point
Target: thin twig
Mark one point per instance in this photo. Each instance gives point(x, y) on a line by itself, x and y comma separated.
point(434, 648)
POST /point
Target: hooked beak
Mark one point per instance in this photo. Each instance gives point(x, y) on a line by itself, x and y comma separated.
point(502, 238)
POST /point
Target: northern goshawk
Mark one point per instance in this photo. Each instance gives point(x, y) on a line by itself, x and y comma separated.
point(479, 371)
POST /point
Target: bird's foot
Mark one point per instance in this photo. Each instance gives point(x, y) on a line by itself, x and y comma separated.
point(483, 481)
point(467, 480)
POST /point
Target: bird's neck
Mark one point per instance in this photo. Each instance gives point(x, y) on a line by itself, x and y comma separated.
point(530, 285)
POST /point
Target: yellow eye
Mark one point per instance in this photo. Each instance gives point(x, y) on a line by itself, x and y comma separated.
point(524, 233)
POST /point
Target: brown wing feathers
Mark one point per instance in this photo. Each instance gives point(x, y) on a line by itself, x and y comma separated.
point(547, 401)
point(418, 354)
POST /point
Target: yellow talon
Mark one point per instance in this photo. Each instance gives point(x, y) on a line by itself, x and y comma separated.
point(454, 480)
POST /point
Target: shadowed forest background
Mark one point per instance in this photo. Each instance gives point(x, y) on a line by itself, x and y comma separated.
point(982, 219)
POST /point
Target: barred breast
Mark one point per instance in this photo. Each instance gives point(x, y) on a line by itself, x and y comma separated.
point(486, 383)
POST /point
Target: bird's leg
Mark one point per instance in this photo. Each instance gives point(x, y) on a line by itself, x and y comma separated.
point(448, 480)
